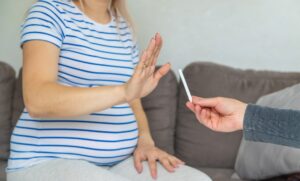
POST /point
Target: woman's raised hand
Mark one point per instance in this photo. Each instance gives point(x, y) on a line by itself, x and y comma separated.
point(145, 78)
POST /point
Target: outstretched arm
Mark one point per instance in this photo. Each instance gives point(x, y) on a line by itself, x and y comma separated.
point(44, 97)
point(277, 126)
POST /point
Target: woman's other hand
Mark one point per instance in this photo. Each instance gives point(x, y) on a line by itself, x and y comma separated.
point(145, 78)
point(219, 114)
point(147, 151)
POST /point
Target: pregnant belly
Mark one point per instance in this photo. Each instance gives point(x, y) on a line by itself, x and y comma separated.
point(104, 138)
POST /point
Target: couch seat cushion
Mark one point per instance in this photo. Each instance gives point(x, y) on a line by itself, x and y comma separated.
point(3, 165)
point(219, 174)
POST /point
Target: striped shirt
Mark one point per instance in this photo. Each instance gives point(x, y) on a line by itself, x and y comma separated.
point(91, 54)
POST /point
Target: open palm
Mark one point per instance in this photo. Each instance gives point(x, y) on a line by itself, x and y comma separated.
point(145, 78)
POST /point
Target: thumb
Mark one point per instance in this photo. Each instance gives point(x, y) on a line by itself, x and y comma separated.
point(207, 102)
point(162, 71)
point(196, 98)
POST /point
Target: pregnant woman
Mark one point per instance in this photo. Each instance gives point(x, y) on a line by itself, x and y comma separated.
point(82, 83)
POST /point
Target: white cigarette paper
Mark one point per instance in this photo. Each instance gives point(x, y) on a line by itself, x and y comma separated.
point(185, 85)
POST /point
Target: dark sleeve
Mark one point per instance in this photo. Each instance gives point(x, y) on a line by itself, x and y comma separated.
point(278, 126)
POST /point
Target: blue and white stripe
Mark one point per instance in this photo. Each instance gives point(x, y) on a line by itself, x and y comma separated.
point(91, 54)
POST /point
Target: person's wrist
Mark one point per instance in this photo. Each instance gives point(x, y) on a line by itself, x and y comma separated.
point(242, 115)
point(124, 92)
point(145, 139)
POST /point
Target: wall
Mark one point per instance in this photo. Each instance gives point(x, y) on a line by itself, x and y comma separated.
point(12, 14)
point(260, 34)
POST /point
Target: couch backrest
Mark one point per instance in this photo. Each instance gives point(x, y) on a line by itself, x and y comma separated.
point(18, 102)
point(160, 107)
point(196, 144)
point(7, 83)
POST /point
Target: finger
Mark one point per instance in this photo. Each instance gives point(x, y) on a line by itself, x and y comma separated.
point(198, 108)
point(148, 71)
point(175, 162)
point(159, 44)
point(208, 102)
point(190, 106)
point(179, 161)
point(205, 114)
point(151, 49)
point(151, 44)
point(166, 164)
point(206, 121)
point(198, 114)
point(162, 71)
point(143, 59)
point(215, 118)
point(138, 163)
point(201, 116)
point(208, 116)
point(196, 99)
point(157, 48)
point(152, 167)
point(152, 70)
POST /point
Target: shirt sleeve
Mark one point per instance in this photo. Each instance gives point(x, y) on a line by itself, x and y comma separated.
point(277, 126)
point(135, 54)
point(44, 23)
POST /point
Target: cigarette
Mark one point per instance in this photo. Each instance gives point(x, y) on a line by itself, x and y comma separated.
point(185, 85)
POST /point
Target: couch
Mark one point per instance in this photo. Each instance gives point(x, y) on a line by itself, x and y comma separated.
point(173, 126)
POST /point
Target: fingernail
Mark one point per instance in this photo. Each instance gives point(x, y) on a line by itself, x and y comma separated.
point(155, 176)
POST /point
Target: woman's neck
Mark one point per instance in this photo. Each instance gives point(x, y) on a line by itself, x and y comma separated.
point(97, 10)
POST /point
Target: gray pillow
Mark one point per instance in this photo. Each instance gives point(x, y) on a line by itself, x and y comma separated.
point(257, 160)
